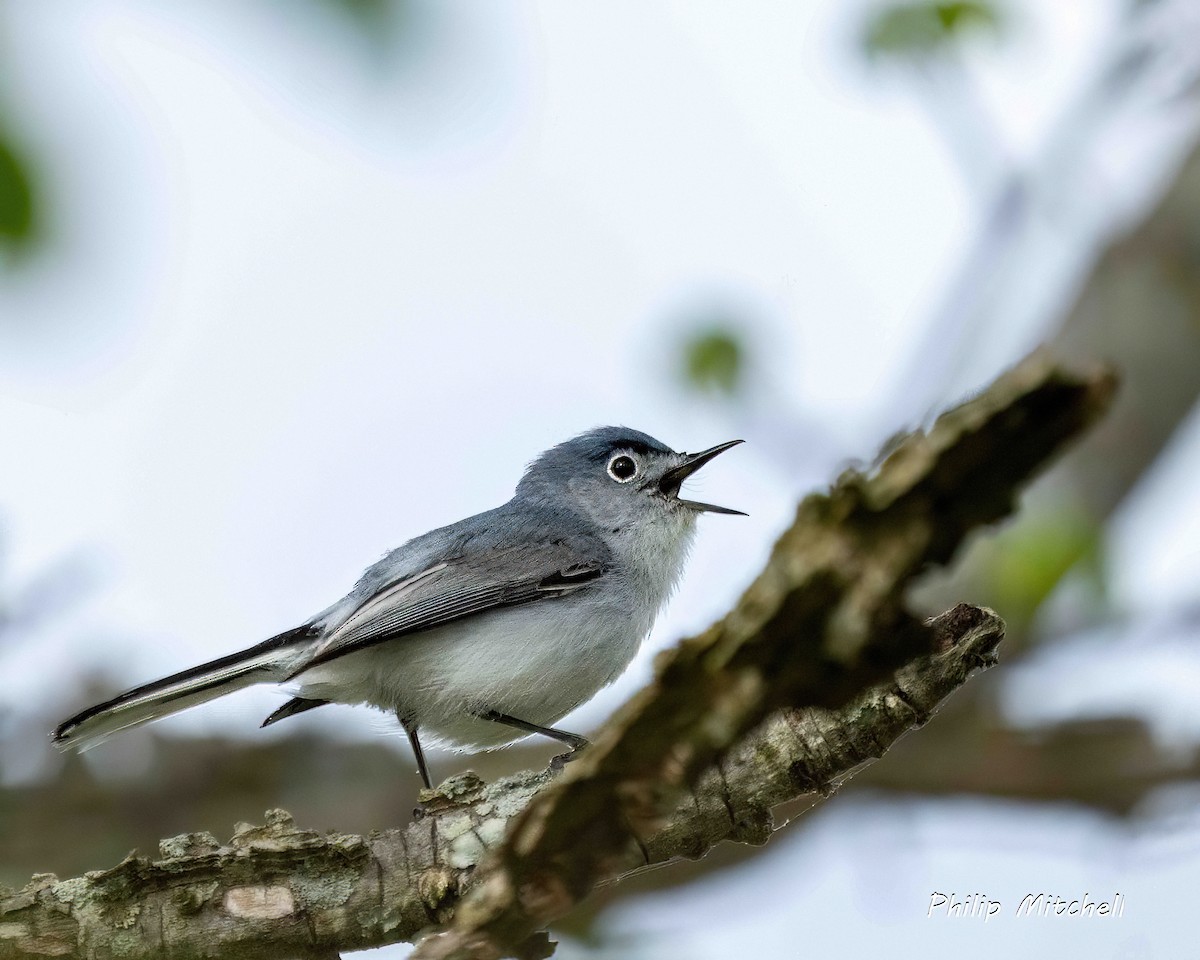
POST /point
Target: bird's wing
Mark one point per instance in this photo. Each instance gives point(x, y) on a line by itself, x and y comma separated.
point(458, 587)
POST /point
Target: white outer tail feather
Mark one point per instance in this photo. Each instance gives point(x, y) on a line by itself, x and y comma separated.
point(266, 663)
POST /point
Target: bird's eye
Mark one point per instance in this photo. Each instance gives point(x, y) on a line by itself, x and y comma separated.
point(622, 468)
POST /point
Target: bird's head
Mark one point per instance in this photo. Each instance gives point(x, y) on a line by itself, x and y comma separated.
point(618, 476)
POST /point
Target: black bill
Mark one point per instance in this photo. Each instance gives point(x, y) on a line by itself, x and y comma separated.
point(673, 479)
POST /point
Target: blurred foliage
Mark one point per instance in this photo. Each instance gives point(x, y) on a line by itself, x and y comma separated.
point(368, 15)
point(914, 30)
point(382, 31)
point(714, 360)
point(1021, 567)
point(18, 208)
point(381, 28)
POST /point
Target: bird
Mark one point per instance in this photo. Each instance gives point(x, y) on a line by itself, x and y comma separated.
point(485, 631)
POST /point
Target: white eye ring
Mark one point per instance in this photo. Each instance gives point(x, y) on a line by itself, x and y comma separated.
point(622, 468)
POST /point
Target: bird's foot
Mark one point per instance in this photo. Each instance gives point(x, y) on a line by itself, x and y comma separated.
point(557, 763)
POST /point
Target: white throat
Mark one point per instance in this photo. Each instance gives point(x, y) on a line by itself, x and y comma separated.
point(655, 551)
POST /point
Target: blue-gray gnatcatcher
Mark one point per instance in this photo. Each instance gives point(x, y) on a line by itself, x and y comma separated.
point(487, 630)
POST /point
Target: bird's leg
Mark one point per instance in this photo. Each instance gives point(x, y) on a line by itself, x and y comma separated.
point(411, 730)
point(573, 740)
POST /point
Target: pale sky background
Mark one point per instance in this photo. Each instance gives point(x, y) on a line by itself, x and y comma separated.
point(298, 314)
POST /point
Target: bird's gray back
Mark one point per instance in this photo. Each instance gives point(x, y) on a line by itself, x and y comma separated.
point(523, 529)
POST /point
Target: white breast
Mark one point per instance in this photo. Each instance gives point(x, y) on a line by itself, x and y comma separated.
point(535, 662)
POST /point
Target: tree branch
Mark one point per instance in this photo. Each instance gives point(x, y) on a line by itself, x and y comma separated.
point(277, 891)
point(822, 621)
point(823, 626)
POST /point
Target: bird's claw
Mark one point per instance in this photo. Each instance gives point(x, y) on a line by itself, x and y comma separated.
point(557, 763)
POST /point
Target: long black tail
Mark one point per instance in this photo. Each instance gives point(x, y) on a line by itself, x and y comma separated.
point(266, 662)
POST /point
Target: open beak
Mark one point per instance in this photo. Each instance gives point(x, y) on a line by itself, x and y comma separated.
point(673, 479)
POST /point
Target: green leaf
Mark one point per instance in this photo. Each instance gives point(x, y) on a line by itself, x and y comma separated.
point(1029, 560)
point(713, 360)
point(18, 209)
point(913, 30)
point(384, 28)
point(370, 16)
